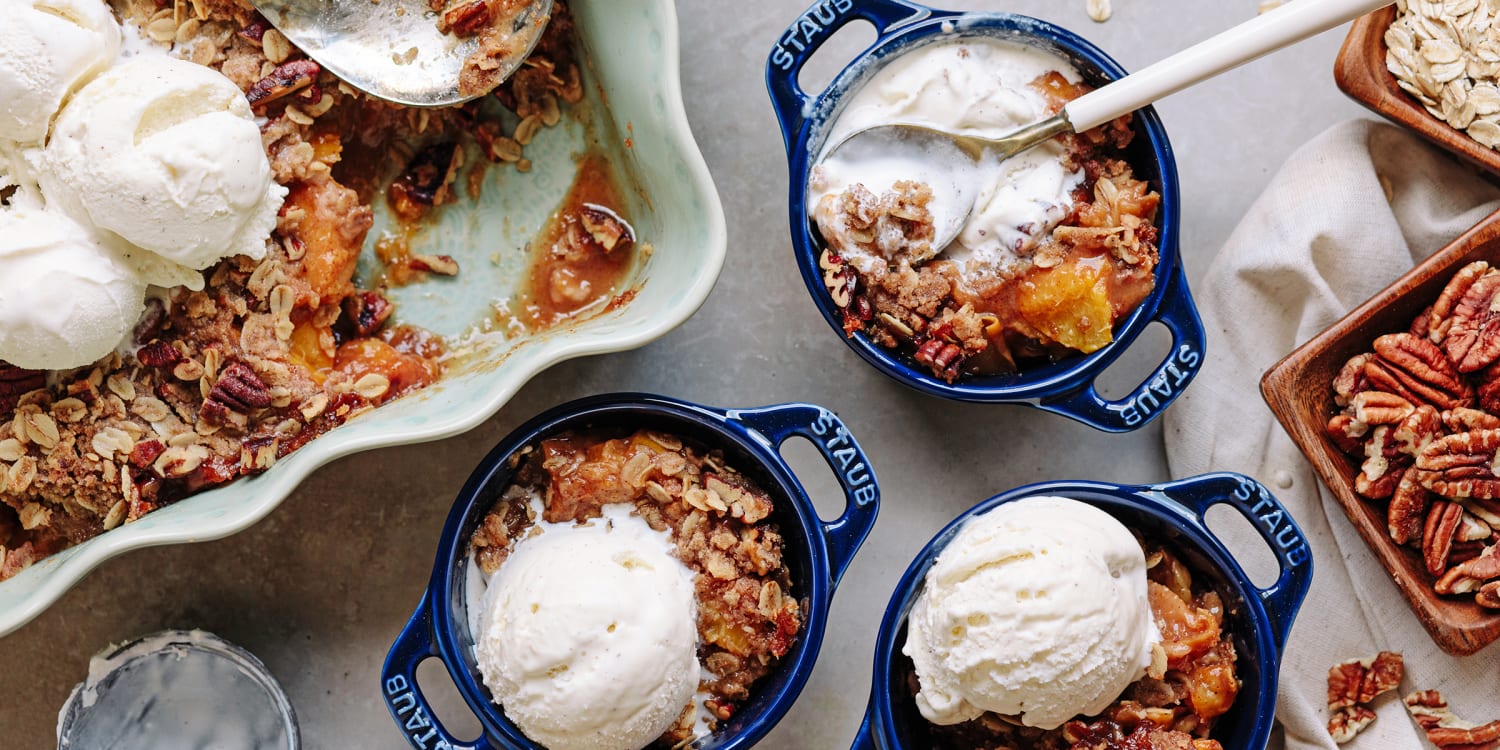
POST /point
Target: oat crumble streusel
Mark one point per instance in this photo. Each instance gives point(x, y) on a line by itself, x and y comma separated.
point(221, 383)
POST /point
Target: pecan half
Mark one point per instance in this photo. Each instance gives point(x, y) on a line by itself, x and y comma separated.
point(1464, 419)
point(1440, 316)
point(158, 354)
point(288, 78)
point(1462, 465)
point(1379, 407)
point(1443, 728)
point(240, 390)
point(1383, 466)
point(1488, 389)
point(1488, 595)
point(1351, 378)
point(1417, 430)
point(1473, 338)
point(16, 382)
point(1437, 534)
point(1417, 369)
point(1407, 512)
point(1345, 723)
point(1470, 574)
point(1346, 432)
point(1422, 324)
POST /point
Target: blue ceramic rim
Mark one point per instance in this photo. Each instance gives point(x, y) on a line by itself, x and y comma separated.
point(446, 572)
point(1144, 499)
point(1035, 383)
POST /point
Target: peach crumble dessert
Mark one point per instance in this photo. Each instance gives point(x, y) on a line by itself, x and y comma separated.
point(645, 570)
point(1060, 244)
point(1047, 624)
point(162, 335)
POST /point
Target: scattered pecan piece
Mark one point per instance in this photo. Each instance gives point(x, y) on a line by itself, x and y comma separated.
point(1360, 681)
point(288, 78)
point(145, 453)
point(1462, 465)
point(1344, 723)
point(429, 171)
point(159, 354)
point(256, 29)
point(1417, 368)
point(151, 322)
point(1443, 728)
point(1440, 316)
point(442, 265)
point(1437, 534)
point(943, 358)
point(466, 19)
point(1473, 338)
point(366, 312)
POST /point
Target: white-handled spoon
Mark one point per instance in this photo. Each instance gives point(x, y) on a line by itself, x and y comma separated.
point(1288, 24)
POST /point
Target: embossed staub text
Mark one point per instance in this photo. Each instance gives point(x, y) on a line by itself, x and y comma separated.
point(806, 31)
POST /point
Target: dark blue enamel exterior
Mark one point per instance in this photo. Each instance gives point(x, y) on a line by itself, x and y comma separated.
point(1259, 619)
point(817, 552)
point(1065, 387)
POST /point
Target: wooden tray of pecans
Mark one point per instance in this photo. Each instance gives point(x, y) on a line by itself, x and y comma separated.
point(1426, 445)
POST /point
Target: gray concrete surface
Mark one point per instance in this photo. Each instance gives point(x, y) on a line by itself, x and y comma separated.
point(319, 589)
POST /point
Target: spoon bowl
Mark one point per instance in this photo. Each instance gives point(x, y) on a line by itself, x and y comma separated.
point(392, 49)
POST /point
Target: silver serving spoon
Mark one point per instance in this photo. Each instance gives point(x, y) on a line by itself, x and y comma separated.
point(1266, 33)
point(392, 49)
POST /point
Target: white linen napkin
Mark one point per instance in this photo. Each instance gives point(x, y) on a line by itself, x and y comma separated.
point(1323, 238)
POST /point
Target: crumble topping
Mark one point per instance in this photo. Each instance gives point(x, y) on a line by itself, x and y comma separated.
point(223, 382)
point(718, 519)
point(1060, 291)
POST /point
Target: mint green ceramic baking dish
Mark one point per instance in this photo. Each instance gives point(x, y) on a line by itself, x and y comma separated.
point(632, 64)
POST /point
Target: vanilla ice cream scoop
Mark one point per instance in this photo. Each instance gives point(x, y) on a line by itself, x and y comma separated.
point(588, 640)
point(50, 48)
point(66, 300)
point(167, 155)
point(1037, 609)
point(972, 86)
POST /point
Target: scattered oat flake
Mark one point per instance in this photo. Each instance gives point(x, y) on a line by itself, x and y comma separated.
point(1099, 10)
point(1269, 5)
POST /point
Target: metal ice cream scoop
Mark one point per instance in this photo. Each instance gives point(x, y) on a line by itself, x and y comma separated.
point(392, 49)
point(1259, 36)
